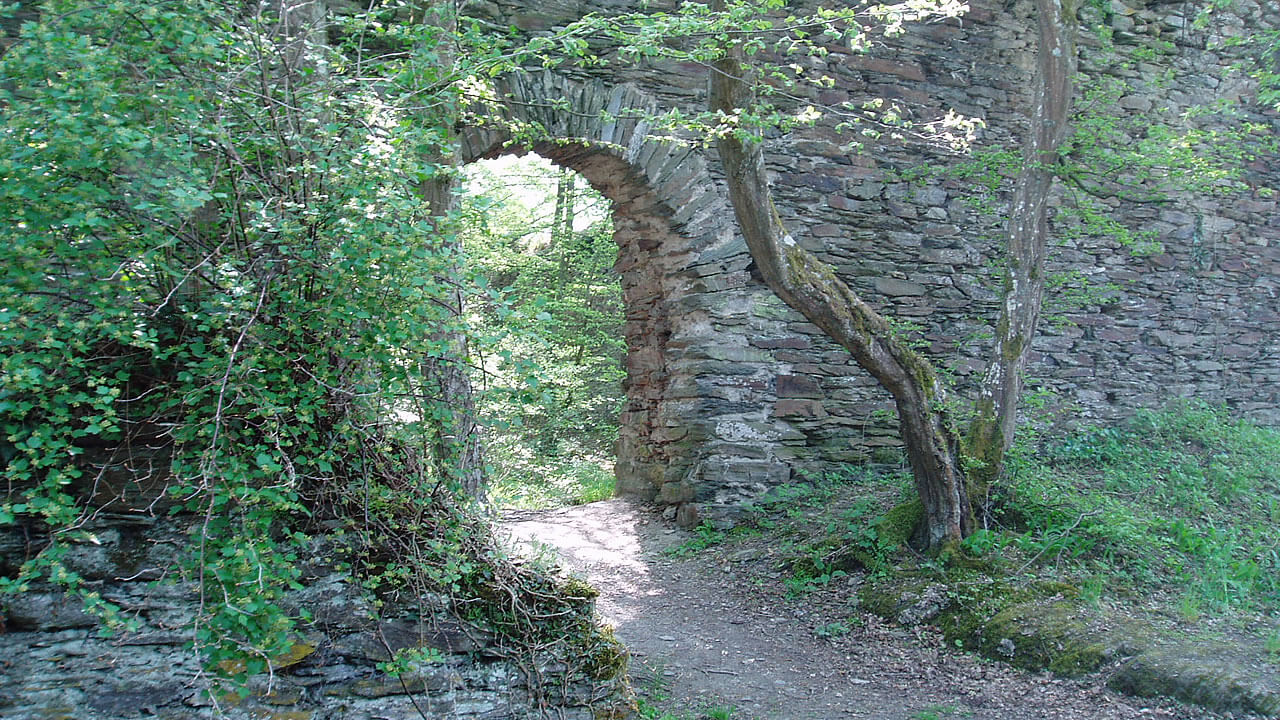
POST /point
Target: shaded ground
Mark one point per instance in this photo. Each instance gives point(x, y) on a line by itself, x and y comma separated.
point(716, 630)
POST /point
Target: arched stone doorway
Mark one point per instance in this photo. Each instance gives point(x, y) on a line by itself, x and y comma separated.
point(698, 429)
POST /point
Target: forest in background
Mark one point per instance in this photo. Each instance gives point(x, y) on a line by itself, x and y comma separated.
point(544, 236)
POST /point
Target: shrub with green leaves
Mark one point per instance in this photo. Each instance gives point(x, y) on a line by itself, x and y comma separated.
point(222, 286)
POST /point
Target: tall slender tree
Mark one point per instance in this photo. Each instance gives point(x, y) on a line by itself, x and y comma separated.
point(459, 452)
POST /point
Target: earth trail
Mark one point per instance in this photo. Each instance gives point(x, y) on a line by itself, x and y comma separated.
point(715, 629)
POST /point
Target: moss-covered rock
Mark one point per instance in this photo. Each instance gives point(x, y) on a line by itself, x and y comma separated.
point(1045, 634)
point(1034, 627)
point(606, 656)
point(1041, 626)
point(1208, 674)
point(896, 526)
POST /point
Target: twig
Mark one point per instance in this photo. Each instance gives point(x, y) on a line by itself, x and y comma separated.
point(1061, 534)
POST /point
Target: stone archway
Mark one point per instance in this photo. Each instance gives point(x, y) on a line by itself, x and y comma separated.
point(696, 430)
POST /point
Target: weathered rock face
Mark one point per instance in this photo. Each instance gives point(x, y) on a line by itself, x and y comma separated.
point(731, 392)
point(55, 664)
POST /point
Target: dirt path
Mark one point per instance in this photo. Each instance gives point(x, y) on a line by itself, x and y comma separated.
point(715, 629)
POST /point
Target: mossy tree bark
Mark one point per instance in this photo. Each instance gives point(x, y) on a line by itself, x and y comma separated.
point(995, 418)
point(811, 286)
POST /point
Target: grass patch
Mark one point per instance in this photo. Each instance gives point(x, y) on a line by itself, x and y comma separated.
point(705, 536)
point(647, 711)
point(1272, 646)
point(1181, 499)
point(938, 712)
point(1180, 504)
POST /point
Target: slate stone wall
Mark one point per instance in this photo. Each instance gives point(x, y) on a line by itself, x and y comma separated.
point(54, 662)
point(743, 394)
point(730, 393)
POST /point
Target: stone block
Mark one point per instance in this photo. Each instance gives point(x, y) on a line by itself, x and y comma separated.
point(638, 479)
point(46, 612)
point(844, 202)
point(897, 68)
point(687, 515)
point(791, 343)
point(866, 190)
point(1173, 339)
point(940, 229)
point(673, 493)
point(1136, 102)
point(801, 408)
point(945, 256)
point(432, 680)
point(1117, 335)
point(894, 287)
point(798, 386)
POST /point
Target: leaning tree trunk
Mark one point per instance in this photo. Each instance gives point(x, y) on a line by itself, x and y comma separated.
point(995, 418)
point(810, 286)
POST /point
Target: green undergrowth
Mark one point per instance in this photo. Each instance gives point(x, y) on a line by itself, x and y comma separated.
point(1167, 518)
point(227, 299)
point(646, 710)
point(834, 523)
point(542, 239)
point(830, 526)
point(1180, 504)
point(527, 481)
point(1182, 500)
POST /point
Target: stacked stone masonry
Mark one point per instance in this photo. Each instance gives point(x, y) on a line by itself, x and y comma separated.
point(55, 663)
point(731, 393)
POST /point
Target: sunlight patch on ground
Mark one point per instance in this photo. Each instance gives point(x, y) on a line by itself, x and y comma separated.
point(596, 543)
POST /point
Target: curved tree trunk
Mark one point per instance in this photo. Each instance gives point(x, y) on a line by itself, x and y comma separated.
point(995, 418)
point(810, 286)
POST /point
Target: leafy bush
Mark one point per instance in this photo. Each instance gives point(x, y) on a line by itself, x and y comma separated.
point(225, 291)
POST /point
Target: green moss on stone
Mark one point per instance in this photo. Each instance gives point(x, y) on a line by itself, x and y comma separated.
point(579, 589)
point(1033, 627)
point(606, 656)
point(884, 596)
point(896, 526)
point(1040, 634)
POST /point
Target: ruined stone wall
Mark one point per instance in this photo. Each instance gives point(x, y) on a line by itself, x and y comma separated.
point(730, 393)
point(55, 661)
point(758, 394)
